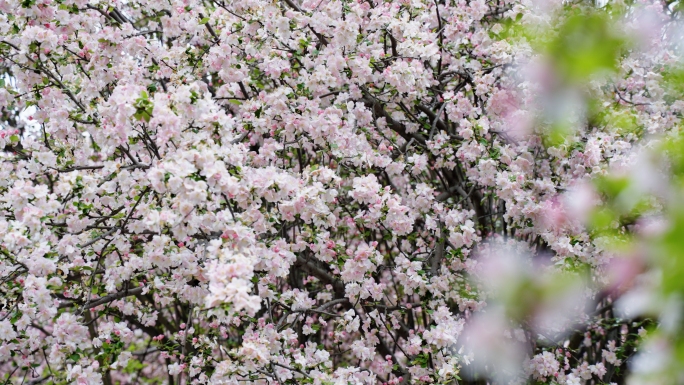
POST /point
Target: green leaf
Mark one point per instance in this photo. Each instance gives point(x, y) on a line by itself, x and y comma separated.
point(133, 366)
point(586, 44)
point(612, 186)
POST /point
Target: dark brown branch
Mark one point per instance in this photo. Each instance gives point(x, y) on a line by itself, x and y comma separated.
point(393, 124)
point(106, 299)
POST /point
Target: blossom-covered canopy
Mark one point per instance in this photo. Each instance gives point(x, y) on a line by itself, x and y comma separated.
point(325, 191)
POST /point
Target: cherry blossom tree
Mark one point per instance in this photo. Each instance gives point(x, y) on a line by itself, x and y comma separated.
point(340, 191)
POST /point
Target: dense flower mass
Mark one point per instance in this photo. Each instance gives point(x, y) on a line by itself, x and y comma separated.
point(340, 191)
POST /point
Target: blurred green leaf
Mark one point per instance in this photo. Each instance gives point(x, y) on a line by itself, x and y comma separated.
point(586, 45)
point(611, 186)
